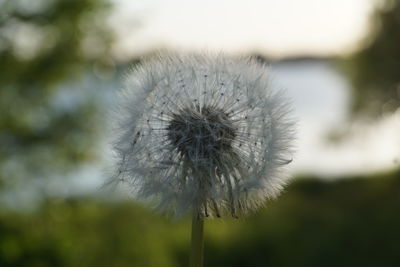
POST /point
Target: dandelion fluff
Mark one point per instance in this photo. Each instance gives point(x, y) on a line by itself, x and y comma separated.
point(203, 133)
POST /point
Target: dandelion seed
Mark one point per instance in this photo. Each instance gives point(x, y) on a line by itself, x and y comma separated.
point(203, 133)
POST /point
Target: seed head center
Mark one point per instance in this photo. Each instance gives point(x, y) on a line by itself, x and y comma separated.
point(201, 133)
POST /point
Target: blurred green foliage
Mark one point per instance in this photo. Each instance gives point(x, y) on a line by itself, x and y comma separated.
point(43, 45)
point(375, 69)
point(350, 222)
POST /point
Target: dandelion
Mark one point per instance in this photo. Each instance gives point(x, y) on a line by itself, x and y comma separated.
point(206, 134)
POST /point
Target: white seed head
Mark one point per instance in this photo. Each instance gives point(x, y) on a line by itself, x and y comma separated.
point(203, 133)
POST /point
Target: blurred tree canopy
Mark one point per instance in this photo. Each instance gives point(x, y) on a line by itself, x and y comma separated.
point(376, 68)
point(44, 44)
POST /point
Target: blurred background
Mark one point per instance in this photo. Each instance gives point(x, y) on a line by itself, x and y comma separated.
point(62, 62)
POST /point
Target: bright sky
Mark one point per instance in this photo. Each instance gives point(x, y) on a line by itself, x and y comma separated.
point(277, 27)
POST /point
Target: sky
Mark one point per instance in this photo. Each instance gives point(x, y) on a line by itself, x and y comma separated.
point(278, 28)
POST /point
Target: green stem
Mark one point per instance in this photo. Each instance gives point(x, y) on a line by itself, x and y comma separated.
point(197, 246)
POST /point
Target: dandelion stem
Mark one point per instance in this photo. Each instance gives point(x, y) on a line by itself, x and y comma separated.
point(197, 246)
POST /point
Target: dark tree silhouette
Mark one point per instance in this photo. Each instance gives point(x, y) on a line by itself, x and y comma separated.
point(376, 69)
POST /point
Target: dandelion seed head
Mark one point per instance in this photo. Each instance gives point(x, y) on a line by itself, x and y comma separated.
point(203, 133)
